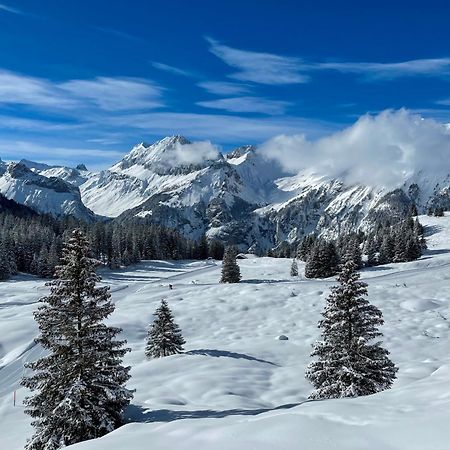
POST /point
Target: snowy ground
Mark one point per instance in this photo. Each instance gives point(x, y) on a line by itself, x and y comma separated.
point(238, 386)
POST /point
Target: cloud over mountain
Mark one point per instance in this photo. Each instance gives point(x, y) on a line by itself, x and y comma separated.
point(383, 149)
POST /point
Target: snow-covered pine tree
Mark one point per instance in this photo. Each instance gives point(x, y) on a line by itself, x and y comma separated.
point(5, 269)
point(305, 246)
point(230, 268)
point(78, 387)
point(322, 260)
point(371, 252)
point(350, 360)
point(294, 268)
point(164, 337)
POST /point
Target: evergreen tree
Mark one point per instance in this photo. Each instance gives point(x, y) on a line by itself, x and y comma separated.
point(230, 268)
point(164, 337)
point(79, 386)
point(5, 269)
point(305, 247)
point(350, 360)
point(371, 252)
point(387, 249)
point(216, 249)
point(294, 268)
point(413, 212)
point(322, 260)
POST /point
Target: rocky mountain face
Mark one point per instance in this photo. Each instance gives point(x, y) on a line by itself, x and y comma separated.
point(44, 194)
point(240, 197)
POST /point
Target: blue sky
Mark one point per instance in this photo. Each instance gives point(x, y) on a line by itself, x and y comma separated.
point(84, 81)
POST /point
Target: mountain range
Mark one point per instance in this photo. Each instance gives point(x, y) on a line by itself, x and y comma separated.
point(241, 197)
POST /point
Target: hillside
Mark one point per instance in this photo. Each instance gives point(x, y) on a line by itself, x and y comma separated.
point(238, 386)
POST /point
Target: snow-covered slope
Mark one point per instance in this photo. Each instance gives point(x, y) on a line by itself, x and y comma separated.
point(239, 387)
point(44, 194)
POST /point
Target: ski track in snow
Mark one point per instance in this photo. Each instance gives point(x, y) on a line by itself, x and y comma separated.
point(238, 386)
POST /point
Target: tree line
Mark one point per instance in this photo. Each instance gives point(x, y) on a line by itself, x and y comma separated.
point(386, 244)
point(33, 243)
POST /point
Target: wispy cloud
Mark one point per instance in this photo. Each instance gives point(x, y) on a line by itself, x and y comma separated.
point(120, 34)
point(443, 102)
point(247, 105)
point(375, 70)
point(115, 94)
point(224, 87)
point(56, 154)
point(11, 10)
point(263, 68)
point(172, 69)
point(106, 93)
point(25, 90)
point(268, 68)
point(223, 128)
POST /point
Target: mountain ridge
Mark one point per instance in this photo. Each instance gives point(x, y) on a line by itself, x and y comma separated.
point(241, 197)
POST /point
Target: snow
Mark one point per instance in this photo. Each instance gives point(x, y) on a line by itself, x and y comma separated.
point(238, 386)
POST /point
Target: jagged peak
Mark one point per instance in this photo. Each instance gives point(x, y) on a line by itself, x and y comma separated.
point(241, 151)
point(81, 167)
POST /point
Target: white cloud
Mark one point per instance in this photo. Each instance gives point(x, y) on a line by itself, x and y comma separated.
point(267, 68)
point(172, 69)
point(9, 9)
point(384, 149)
point(374, 70)
point(224, 87)
point(194, 153)
point(115, 94)
point(25, 90)
point(263, 68)
point(120, 34)
point(106, 93)
point(247, 104)
point(223, 128)
point(14, 150)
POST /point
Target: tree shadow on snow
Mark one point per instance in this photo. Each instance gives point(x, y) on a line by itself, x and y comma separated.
point(257, 281)
point(136, 413)
point(436, 252)
point(227, 354)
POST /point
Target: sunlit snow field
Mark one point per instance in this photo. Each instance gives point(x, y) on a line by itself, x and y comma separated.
point(240, 387)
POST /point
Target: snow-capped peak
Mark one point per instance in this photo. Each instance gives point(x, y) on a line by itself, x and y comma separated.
point(168, 155)
point(35, 166)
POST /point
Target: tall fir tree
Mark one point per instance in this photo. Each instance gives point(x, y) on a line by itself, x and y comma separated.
point(230, 268)
point(350, 360)
point(164, 337)
point(78, 387)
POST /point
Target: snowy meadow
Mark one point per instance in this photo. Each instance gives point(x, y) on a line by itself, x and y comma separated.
point(240, 383)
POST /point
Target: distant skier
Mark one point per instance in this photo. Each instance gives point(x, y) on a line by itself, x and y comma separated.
point(170, 286)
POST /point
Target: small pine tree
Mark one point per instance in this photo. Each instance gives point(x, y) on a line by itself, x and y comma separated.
point(230, 268)
point(294, 268)
point(164, 337)
point(80, 383)
point(349, 362)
